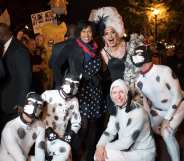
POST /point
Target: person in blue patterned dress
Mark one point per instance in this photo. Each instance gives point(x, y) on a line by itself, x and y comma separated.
point(82, 56)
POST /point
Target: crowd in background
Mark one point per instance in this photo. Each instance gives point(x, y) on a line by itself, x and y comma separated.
point(102, 55)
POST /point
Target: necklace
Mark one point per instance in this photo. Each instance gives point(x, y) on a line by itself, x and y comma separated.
point(118, 51)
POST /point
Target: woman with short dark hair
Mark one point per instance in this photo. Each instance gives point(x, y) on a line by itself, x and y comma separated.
point(83, 57)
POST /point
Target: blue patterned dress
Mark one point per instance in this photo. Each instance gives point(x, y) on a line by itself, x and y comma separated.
point(90, 92)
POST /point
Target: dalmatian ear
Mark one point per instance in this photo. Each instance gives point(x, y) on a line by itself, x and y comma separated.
point(129, 100)
point(111, 106)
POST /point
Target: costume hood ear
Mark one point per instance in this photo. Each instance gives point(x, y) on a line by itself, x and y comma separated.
point(111, 107)
point(75, 68)
point(129, 100)
point(73, 77)
point(70, 84)
point(34, 98)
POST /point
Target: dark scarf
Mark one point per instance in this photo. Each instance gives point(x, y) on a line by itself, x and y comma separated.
point(88, 49)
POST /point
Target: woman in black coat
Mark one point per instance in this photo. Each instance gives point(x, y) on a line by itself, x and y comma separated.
point(82, 57)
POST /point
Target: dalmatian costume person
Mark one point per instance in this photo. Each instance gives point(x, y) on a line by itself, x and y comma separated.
point(130, 123)
point(19, 134)
point(161, 87)
point(62, 108)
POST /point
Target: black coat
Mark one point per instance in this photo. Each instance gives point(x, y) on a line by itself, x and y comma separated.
point(17, 79)
point(73, 55)
point(57, 53)
point(2, 72)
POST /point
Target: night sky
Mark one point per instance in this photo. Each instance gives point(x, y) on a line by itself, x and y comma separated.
point(20, 10)
point(80, 9)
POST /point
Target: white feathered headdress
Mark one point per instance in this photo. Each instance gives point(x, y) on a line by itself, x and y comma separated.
point(110, 17)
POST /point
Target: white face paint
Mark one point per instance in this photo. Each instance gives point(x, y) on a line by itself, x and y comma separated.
point(138, 59)
point(66, 88)
point(29, 109)
point(70, 87)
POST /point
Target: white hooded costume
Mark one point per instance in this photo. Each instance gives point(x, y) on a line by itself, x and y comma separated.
point(131, 125)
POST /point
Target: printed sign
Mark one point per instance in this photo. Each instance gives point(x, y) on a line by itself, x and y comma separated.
point(42, 18)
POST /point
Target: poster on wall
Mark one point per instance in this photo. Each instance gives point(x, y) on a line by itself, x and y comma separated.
point(42, 18)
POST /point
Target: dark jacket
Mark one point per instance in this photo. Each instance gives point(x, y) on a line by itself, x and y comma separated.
point(2, 72)
point(57, 53)
point(73, 55)
point(17, 79)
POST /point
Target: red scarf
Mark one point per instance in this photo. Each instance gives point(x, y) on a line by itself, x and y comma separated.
point(86, 49)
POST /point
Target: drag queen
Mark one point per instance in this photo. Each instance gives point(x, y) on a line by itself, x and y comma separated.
point(116, 52)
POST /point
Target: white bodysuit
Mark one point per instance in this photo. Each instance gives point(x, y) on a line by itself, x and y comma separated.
point(18, 138)
point(162, 89)
point(134, 142)
point(59, 112)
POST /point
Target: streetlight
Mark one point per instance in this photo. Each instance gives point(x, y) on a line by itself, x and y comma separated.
point(155, 13)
